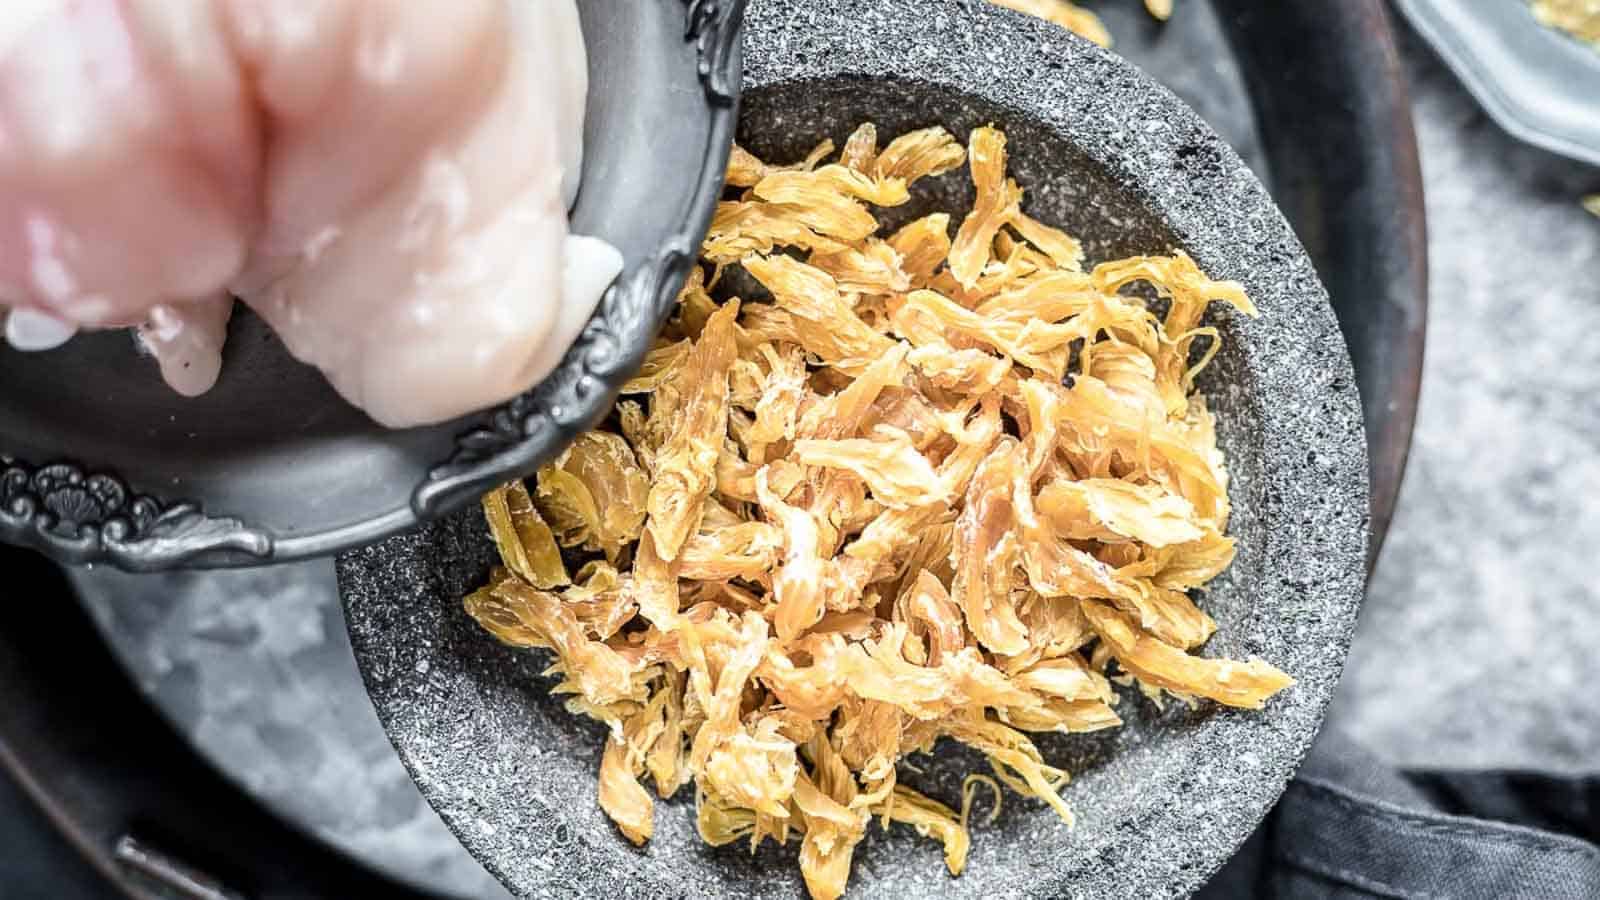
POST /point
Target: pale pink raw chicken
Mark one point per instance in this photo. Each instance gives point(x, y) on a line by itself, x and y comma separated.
point(385, 182)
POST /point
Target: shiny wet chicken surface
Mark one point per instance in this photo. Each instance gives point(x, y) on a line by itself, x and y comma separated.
point(385, 183)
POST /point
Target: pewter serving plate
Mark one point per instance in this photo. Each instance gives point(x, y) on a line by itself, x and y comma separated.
point(99, 461)
point(1541, 85)
point(1105, 152)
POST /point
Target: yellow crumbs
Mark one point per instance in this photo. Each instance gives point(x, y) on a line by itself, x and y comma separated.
point(1083, 22)
point(1579, 18)
point(935, 482)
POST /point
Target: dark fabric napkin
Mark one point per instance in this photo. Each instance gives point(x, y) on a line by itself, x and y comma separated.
point(1350, 826)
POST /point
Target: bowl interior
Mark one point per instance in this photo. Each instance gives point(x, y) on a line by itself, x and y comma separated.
point(273, 445)
point(1160, 802)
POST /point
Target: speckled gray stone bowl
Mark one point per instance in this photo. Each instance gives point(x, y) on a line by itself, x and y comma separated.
point(1162, 802)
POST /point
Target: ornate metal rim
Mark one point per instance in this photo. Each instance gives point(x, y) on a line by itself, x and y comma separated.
point(77, 515)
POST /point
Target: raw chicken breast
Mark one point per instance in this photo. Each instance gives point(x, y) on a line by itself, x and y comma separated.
point(385, 182)
point(129, 173)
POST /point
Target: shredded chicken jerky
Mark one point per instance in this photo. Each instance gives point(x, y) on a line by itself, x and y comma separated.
point(919, 485)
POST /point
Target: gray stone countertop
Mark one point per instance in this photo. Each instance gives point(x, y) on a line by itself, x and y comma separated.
point(1478, 645)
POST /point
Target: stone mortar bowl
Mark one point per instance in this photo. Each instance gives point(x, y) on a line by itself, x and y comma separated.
point(1161, 802)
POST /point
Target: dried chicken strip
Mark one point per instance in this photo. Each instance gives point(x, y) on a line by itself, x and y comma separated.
point(523, 617)
point(1247, 684)
point(931, 615)
point(968, 372)
point(814, 690)
point(1097, 415)
point(740, 228)
point(661, 364)
point(600, 599)
point(1015, 760)
point(824, 323)
point(748, 550)
point(1039, 345)
point(879, 670)
point(1063, 249)
point(1199, 429)
point(1110, 509)
point(886, 540)
point(1020, 261)
point(799, 583)
point(878, 190)
point(1052, 297)
point(923, 245)
point(1054, 567)
point(695, 305)
point(997, 203)
point(818, 204)
point(754, 767)
point(1190, 291)
point(897, 475)
point(1065, 13)
point(665, 758)
point(986, 551)
point(685, 466)
point(621, 795)
point(719, 821)
point(736, 476)
point(1193, 564)
point(874, 269)
point(525, 542)
point(906, 409)
point(843, 414)
point(867, 734)
point(930, 817)
point(744, 169)
point(654, 587)
point(779, 404)
point(1129, 374)
point(973, 445)
point(1065, 677)
point(1065, 716)
point(593, 494)
point(861, 148)
point(814, 158)
point(1172, 617)
point(825, 800)
point(746, 380)
point(920, 154)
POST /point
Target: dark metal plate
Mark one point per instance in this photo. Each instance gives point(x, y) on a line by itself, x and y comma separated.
point(99, 461)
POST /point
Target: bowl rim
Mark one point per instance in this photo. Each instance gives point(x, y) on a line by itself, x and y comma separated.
point(83, 514)
point(1315, 515)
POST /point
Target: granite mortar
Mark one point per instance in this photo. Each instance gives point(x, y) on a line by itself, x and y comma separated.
point(1107, 153)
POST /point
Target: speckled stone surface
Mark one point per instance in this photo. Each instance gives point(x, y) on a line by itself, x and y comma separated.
point(1161, 802)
